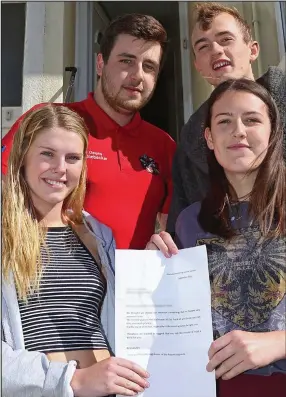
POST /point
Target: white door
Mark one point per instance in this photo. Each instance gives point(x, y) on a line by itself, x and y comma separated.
point(91, 21)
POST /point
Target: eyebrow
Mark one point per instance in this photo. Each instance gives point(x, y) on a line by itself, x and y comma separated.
point(219, 34)
point(48, 148)
point(131, 56)
point(127, 55)
point(53, 150)
point(245, 114)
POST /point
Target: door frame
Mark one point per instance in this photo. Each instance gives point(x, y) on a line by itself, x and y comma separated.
point(281, 28)
point(84, 58)
point(186, 59)
point(84, 47)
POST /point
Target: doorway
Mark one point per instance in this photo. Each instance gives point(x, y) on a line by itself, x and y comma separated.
point(166, 107)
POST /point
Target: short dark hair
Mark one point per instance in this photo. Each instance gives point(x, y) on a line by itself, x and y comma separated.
point(205, 13)
point(140, 26)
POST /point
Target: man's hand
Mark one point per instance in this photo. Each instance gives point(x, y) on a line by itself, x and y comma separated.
point(163, 242)
point(162, 219)
point(239, 351)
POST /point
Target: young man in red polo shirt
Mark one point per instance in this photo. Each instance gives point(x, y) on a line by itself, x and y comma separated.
point(129, 160)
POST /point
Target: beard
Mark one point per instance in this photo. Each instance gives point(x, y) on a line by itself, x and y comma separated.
point(117, 103)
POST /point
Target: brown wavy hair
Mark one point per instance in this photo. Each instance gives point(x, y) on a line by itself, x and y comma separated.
point(267, 200)
point(205, 12)
point(22, 235)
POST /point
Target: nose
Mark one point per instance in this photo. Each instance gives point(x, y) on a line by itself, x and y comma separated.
point(239, 130)
point(217, 49)
point(59, 165)
point(137, 73)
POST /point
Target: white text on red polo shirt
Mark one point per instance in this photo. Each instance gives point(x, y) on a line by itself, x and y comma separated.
point(96, 155)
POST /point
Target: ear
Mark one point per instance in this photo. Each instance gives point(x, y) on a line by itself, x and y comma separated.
point(209, 139)
point(99, 64)
point(254, 50)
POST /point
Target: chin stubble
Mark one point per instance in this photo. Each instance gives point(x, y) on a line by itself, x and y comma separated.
point(114, 100)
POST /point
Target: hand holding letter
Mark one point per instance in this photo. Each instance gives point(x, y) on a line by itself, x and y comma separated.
point(239, 351)
point(163, 242)
point(111, 376)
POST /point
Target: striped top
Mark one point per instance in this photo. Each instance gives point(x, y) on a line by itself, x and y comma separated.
point(64, 314)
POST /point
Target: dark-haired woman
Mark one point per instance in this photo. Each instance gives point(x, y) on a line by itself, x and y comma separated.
point(242, 222)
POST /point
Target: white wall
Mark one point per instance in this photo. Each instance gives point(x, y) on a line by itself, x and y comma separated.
point(49, 47)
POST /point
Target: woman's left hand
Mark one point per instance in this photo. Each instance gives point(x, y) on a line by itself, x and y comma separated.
point(239, 351)
point(163, 242)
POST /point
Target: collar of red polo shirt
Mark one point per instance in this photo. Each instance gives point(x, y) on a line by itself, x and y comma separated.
point(109, 124)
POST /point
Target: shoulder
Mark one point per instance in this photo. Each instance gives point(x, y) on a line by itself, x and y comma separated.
point(273, 80)
point(195, 124)
point(160, 144)
point(100, 230)
point(156, 132)
point(187, 226)
point(190, 213)
point(78, 107)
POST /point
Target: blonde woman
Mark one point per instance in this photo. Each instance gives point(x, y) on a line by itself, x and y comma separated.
point(58, 267)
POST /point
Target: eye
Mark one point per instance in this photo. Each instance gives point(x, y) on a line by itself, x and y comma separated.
point(203, 47)
point(149, 67)
point(73, 158)
point(47, 153)
point(224, 121)
point(125, 61)
point(226, 39)
point(252, 121)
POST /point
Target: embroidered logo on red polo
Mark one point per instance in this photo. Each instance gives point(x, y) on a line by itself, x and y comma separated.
point(96, 155)
point(149, 164)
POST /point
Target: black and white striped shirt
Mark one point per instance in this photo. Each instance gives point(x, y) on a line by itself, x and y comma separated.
point(64, 315)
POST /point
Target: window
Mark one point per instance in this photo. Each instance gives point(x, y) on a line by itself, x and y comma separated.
point(12, 51)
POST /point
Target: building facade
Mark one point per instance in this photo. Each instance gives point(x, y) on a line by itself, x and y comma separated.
point(54, 35)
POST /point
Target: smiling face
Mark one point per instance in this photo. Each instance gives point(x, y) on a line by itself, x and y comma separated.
point(221, 52)
point(129, 77)
point(53, 166)
point(240, 131)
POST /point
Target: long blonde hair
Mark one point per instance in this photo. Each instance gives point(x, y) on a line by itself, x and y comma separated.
point(22, 235)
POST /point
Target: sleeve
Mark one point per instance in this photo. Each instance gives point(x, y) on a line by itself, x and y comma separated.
point(170, 148)
point(179, 199)
point(31, 374)
point(7, 141)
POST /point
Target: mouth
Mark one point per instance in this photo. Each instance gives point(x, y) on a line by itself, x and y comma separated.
point(220, 64)
point(133, 89)
point(238, 146)
point(55, 183)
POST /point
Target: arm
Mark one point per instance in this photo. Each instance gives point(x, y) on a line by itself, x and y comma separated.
point(179, 199)
point(169, 151)
point(162, 219)
point(31, 374)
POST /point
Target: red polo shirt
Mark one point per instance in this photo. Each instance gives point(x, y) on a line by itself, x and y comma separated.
point(120, 192)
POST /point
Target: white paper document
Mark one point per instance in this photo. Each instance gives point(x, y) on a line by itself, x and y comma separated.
point(163, 319)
